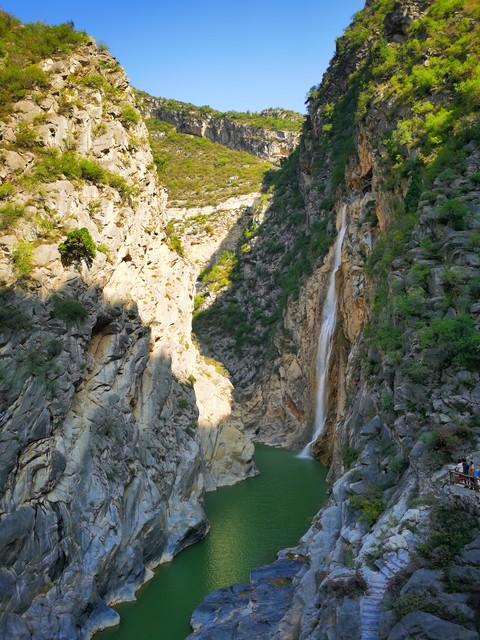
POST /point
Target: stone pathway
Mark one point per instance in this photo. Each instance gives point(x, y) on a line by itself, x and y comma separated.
point(370, 604)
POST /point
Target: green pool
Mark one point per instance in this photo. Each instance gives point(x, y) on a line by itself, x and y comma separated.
point(249, 523)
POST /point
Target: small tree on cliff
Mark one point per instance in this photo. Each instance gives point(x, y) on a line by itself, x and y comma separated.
point(78, 245)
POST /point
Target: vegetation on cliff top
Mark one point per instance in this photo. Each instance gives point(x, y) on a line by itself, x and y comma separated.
point(275, 119)
point(198, 172)
point(427, 148)
point(433, 73)
point(22, 46)
point(426, 84)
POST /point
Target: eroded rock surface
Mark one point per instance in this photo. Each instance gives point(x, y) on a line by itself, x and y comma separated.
point(389, 556)
point(106, 448)
point(270, 144)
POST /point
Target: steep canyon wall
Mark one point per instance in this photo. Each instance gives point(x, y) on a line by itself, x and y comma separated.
point(379, 560)
point(272, 144)
point(112, 423)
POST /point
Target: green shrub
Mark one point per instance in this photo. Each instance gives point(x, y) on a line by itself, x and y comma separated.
point(299, 261)
point(421, 274)
point(388, 403)
point(69, 310)
point(455, 213)
point(376, 553)
point(416, 371)
point(125, 190)
point(22, 258)
point(421, 601)
point(251, 230)
point(446, 444)
point(54, 165)
point(387, 337)
point(451, 529)
point(398, 464)
point(349, 456)
point(218, 366)
point(9, 214)
point(11, 317)
point(457, 337)
point(16, 82)
point(198, 301)
point(21, 46)
point(371, 506)
point(220, 275)
point(231, 318)
point(45, 226)
point(104, 248)
point(129, 115)
point(91, 80)
point(173, 241)
point(37, 363)
point(78, 245)
point(94, 206)
point(35, 41)
point(92, 171)
point(475, 240)
point(25, 136)
point(412, 197)
point(429, 438)
point(6, 190)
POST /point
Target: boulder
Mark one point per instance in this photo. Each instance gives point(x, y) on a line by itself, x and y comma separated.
point(425, 626)
point(372, 428)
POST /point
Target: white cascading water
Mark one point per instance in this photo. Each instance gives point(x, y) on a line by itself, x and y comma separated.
point(327, 328)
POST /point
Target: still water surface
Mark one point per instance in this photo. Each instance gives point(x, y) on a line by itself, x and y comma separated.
point(249, 523)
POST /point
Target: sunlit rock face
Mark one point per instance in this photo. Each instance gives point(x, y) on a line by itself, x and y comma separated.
point(269, 144)
point(112, 421)
point(112, 424)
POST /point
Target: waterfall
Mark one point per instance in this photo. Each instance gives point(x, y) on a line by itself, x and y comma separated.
point(327, 328)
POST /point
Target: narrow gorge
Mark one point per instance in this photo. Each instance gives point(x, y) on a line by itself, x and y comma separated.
point(180, 285)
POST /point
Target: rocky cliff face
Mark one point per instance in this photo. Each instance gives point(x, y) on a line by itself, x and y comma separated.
point(113, 419)
point(110, 423)
point(394, 553)
point(269, 144)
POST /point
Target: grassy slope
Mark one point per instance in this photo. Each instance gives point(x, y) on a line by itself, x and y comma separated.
point(199, 172)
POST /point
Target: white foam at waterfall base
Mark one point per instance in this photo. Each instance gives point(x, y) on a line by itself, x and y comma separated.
point(327, 329)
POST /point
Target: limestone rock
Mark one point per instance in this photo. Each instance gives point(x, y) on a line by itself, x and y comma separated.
point(106, 449)
point(270, 144)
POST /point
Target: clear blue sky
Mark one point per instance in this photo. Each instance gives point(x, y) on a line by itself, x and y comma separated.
point(231, 54)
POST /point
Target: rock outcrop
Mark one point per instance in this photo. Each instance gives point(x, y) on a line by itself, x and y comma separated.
point(269, 144)
point(112, 423)
point(388, 557)
point(113, 419)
